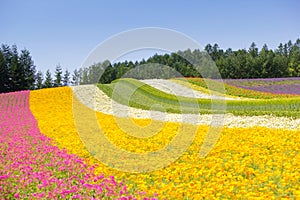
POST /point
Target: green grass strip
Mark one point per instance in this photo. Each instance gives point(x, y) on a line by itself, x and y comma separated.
point(136, 94)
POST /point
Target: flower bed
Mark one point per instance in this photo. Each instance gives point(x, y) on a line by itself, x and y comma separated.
point(270, 85)
point(254, 162)
point(32, 168)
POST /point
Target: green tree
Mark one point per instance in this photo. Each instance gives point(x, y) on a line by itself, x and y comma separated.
point(7, 56)
point(289, 46)
point(215, 52)
point(66, 78)
point(294, 59)
point(75, 77)
point(109, 74)
point(279, 50)
point(17, 76)
point(209, 49)
point(58, 76)
point(285, 50)
point(29, 70)
point(48, 83)
point(94, 73)
point(241, 63)
point(39, 80)
point(84, 76)
point(253, 50)
point(18, 71)
point(264, 62)
point(228, 52)
point(3, 74)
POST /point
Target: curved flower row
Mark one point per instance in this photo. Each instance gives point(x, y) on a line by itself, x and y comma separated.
point(240, 92)
point(272, 85)
point(32, 168)
point(97, 100)
point(177, 89)
point(254, 162)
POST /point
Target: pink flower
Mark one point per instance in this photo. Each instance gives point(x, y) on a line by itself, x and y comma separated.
point(30, 159)
point(4, 177)
point(17, 195)
point(77, 196)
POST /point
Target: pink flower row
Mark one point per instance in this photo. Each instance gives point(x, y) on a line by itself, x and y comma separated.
point(31, 167)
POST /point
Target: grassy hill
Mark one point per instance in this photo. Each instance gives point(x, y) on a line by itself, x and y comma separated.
point(136, 94)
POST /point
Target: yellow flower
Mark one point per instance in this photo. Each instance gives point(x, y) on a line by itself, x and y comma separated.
point(253, 163)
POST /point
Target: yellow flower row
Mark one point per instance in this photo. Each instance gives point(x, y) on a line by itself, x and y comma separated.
point(244, 163)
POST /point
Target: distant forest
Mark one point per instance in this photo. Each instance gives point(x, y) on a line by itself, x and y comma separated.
point(18, 72)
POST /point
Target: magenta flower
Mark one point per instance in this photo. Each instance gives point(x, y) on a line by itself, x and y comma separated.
point(32, 168)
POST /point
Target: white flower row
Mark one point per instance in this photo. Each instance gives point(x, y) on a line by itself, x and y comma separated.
point(179, 90)
point(94, 98)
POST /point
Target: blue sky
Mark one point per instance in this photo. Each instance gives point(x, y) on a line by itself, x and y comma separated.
point(64, 32)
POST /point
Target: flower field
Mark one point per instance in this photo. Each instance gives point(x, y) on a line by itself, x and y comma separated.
point(140, 95)
point(44, 156)
point(242, 89)
point(33, 167)
point(271, 85)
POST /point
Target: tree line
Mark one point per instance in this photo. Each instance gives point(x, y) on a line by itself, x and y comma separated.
point(284, 61)
point(18, 72)
point(254, 63)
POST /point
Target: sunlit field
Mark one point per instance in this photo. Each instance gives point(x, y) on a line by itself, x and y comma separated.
point(149, 100)
point(44, 156)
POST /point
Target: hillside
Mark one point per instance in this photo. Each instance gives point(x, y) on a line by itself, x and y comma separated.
point(85, 144)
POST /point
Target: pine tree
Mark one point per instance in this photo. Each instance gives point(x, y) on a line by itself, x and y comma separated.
point(75, 77)
point(279, 50)
point(17, 71)
point(66, 78)
point(48, 83)
point(84, 77)
point(58, 76)
point(253, 50)
point(5, 68)
point(3, 74)
point(29, 70)
point(39, 80)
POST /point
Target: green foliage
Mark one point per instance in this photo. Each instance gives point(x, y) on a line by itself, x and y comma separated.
point(58, 76)
point(136, 94)
point(39, 80)
point(48, 83)
point(252, 63)
point(75, 77)
point(17, 70)
point(29, 69)
point(3, 74)
point(66, 78)
point(99, 72)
